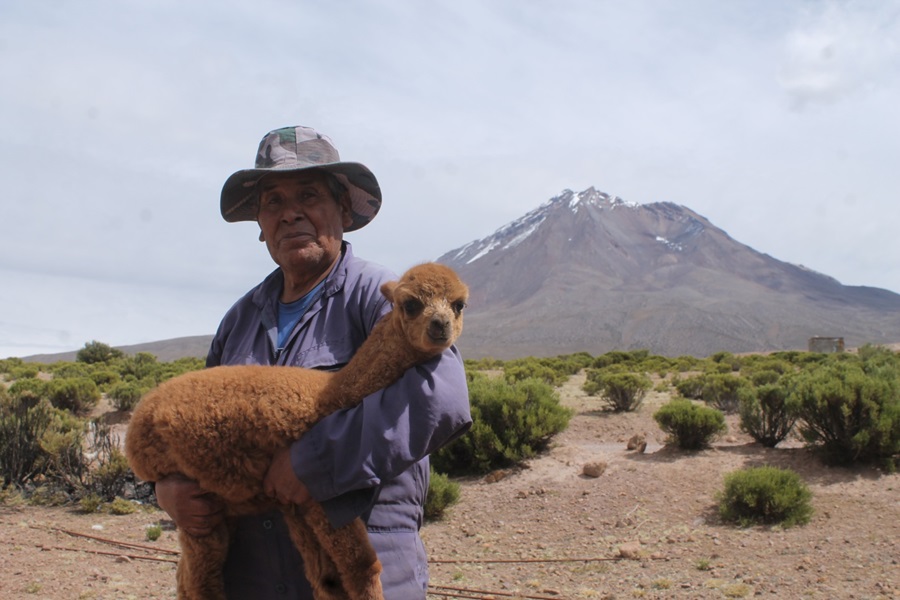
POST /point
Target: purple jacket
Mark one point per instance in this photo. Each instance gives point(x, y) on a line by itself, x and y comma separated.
point(369, 461)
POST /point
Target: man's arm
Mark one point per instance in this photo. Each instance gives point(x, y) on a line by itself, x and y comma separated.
point(343, 459)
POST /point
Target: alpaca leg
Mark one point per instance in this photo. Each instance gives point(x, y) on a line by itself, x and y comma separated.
point(199, 572)
point(320, 570)
point(352, 553)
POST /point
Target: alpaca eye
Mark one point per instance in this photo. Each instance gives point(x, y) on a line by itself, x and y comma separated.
point(458, 306)
point(412, 307)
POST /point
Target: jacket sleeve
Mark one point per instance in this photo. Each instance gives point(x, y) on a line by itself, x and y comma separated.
point(344, 459)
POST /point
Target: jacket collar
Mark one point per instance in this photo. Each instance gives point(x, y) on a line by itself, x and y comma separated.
point(266, 295)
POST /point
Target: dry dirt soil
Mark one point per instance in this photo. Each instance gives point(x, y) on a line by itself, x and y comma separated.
point(646, 528)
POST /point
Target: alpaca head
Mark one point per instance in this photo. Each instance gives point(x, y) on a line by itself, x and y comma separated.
point(428, 304)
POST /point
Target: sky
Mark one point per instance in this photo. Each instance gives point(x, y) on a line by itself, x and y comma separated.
point(120, 120)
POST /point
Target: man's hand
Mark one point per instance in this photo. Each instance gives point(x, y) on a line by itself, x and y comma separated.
point(282, 484)
point(194, 510)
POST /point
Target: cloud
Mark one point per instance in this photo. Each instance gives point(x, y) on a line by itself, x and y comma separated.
point(838, 49)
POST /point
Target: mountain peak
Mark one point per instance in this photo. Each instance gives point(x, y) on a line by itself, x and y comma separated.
point(515, 232)
point(589, 197)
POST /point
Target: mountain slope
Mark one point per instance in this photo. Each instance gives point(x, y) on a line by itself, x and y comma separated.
point(586, 271)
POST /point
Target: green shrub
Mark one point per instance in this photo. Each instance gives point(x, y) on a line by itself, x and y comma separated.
point(685, 363)
point(182, 365)
point(142, 365)
point(48, 495)
point(554, 370)
point(29, 386)
point(472, 375)
point(532, 369)
point(620, 357)
point(108, 479)
point(105, 379)
point(620, 391)
point(873, 354)
point(90, 503)
point(765, 495)
point(24, 372)
point(725, 362)
point(78, 395)
point(761, 370)
point(154, 532)
point(690, 426)
point(22, 426)
point(723, 391)
point(40, 443)
point(121, 506)
point(8, 364)
point(690, 387)
point(483, 364)
point(768, 414)
point(851, 415)
point(97, 352)
point(511, 422)
point(125, 396)
point(760, 377)
point(576, 362)
point(69, 370)
point(442, 494)
point(11, 496)
point(63, 461)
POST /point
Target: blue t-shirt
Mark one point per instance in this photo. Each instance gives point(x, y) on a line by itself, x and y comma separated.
point(289, 314)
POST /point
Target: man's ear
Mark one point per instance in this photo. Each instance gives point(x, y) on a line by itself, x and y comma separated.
point(387, 290)
point(262, 238)
point(346, 212)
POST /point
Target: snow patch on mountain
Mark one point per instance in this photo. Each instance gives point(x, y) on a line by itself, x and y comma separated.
point(508, 236)
point(514, 233)
point(669, 245)
point(592, 197)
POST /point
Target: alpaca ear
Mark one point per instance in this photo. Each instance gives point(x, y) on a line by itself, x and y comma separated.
point(387, 290)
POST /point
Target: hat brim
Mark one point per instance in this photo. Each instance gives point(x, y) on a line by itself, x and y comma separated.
point(239, 202)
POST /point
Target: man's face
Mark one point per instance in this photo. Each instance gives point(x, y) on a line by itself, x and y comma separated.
point(301, 222)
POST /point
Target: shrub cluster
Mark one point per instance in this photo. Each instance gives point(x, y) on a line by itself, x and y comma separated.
point(621, 391)
point(442, 494)
point(48, 449)
point(765, 495)
point(846, 405)
point(511, 422)
point(555, 371)
point(851, 411)
point(768, 413)
point(722, 391)
point(690, 426)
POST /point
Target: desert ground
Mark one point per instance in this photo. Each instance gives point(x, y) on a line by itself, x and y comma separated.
point(647, 527)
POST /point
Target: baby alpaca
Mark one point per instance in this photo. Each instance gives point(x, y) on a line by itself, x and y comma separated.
point(221, 427)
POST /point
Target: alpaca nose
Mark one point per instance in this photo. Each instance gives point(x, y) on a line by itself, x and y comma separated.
point(439, 328)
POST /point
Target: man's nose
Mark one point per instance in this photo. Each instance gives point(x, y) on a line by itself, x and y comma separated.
point(293, 210)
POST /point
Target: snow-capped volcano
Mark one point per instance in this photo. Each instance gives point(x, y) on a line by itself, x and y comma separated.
point(589, 271)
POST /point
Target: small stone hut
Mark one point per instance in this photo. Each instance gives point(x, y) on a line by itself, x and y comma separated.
point(826, 344)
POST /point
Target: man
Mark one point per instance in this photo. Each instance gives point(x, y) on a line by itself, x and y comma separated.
point(314, 311)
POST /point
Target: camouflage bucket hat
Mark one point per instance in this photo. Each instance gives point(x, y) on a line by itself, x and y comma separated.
point(295, 149)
